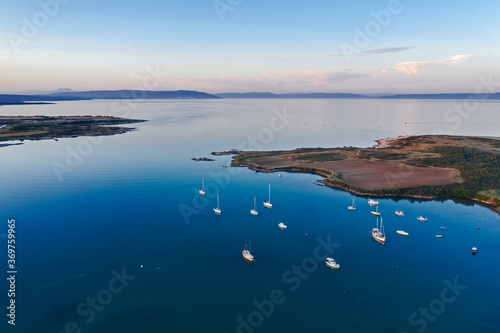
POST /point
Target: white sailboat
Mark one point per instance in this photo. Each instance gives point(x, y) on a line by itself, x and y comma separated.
point(217, 210)
point(202, 191)
point(353, 206)
point(372, 202)
point(378, 234)
point(376, 212)
point(267, 203)
point(400, 213)
point(254, 211)
point(247, 255)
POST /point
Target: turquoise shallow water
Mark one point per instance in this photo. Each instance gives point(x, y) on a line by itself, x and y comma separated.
point(118, 211)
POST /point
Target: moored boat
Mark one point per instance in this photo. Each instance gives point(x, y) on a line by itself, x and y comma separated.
point(282, 226)
point(474, 250)
point(399, 213)
point(254, 211)
point(247, 255)
point(330, 262)
point(402, 233)
point(202, 191)
point(372, 202)
point(267, 203)
point(352, 206)
point(422, 219)
point(379, 234)
point(217, 210)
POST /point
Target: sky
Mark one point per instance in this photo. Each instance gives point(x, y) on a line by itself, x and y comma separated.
point(216, 46)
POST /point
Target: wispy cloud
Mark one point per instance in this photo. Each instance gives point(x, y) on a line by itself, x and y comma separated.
point(414, 67)
point(454, 60)
point(138, 76)
point(385, 50)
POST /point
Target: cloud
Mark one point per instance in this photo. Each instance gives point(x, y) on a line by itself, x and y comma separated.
point(385, 50)
point(138, 76)
point(454, 60)
point(414, 67)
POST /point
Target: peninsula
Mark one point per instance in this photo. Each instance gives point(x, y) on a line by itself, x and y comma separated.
point(47, 127)
point(426, 166)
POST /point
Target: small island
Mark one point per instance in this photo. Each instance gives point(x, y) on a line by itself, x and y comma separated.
point(424, 166)
point(53, 127)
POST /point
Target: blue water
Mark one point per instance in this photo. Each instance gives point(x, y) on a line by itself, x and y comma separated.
point(118, 208)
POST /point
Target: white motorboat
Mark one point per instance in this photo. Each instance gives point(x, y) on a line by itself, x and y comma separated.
point(267, 203)
point(474, 250)
point(254, 211)
point(282, 226)
point(402, 233)
point(202, 191)
point(217, 210)
point(399, 213)
point(422, 219)
point(372, 202)
point(439, 236)
point(378, 233)
point(330, 262)
point(352, 206)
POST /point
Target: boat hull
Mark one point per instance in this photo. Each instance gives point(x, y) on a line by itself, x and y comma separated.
point(377, 236)
point(217, 211)
point(375, 213)
point(267, 204)
point(402, 233)
point(254, 212)
point(248, 257)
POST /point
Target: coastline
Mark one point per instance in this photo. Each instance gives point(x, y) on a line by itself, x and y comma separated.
point(20, 128)
point(427, 154)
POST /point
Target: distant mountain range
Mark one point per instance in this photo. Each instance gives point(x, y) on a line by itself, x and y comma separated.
point(70, 95)
point(461, 96)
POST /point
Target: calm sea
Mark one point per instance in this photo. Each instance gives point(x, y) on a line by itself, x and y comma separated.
point(112, 235)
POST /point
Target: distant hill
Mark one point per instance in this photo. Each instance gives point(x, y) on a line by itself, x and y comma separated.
point(8, 99)
point(69, 95)
point(459, 96)
point(135, 94)
point(306, 95)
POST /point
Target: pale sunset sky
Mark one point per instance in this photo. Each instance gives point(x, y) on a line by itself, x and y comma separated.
point(249, 45)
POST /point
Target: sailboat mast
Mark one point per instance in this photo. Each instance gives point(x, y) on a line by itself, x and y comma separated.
point(269, 192)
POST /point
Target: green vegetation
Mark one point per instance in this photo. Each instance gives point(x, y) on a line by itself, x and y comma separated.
point(477, 160)
point(45, 127)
